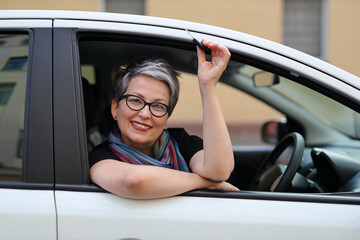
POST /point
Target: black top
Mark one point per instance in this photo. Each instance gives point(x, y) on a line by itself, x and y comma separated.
point(188, 146)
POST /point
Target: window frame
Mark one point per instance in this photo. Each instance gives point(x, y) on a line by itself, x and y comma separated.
point(37, 163)
point(80, 163)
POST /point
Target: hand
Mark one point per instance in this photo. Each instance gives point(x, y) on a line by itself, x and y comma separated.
point(210, 72)
point(224, 186)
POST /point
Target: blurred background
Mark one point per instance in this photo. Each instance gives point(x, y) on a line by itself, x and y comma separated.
point(326, 29)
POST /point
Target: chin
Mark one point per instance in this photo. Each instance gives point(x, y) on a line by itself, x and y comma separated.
point(141, 140)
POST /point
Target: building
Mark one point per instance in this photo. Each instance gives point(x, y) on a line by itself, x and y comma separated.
point(323, 28)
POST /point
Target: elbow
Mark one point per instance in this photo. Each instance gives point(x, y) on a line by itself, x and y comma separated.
point(223, 171)
point(132, 184)
point(216, 173)
point(127, 185)
point(229, 168)
point(221, 175)
point(124, 183)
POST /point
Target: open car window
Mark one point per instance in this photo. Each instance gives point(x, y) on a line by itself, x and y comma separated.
point(247, 105)
point(100, 57)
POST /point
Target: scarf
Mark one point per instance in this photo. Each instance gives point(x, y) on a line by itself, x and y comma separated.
point(165, 152)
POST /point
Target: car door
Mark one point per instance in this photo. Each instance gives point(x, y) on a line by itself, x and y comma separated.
point(27, 206)
point(85, 211)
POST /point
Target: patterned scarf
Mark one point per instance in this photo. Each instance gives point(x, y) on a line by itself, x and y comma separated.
point(165, 152)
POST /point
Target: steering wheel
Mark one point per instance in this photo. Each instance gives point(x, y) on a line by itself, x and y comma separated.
point(276, 177)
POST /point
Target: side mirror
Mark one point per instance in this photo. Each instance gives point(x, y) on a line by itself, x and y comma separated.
point(273, 131)
point(265, 79)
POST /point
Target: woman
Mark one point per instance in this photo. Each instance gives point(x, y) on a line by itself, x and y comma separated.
point(141, 160)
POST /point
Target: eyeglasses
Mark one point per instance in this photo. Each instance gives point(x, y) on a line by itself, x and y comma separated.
point(137, 103)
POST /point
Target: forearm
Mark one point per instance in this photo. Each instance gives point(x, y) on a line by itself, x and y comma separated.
point(162, 182)
point(218, 155)
point(217, 161)
point(144, 182)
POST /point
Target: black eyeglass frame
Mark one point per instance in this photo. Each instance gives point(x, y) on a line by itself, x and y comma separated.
point(126, 96)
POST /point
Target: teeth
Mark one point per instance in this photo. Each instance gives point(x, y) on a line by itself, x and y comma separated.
point(140, 125)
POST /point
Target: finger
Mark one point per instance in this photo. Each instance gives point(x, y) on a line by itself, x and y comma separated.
point(200, 54)
point(217, 49)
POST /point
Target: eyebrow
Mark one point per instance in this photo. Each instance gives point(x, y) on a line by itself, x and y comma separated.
point(142, 96)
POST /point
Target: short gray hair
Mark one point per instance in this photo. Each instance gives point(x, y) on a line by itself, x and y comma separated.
point(153, 67)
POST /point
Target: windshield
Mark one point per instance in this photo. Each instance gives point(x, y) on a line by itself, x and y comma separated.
point(285, 94)
point(323, 107)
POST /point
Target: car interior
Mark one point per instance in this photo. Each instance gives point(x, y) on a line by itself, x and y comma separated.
point(312, 153)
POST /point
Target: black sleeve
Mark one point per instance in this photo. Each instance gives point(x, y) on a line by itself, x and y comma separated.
point(101, 152)
point(188, 144)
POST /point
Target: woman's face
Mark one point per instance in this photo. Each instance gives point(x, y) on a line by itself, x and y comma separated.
point(140, 129)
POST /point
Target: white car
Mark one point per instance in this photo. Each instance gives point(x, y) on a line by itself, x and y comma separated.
point(308, 187)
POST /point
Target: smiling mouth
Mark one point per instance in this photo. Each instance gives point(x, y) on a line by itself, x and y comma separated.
point(139, 125)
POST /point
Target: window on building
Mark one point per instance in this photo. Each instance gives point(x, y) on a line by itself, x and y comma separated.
point(15, 63)
point(5, 93)
point(125, 6)
point(12, 105)
point(305, 26)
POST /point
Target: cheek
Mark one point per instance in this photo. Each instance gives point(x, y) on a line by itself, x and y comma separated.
point(160, 122)
point(123, 118)
point(124, 111)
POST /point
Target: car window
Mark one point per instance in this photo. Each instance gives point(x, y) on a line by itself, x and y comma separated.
point(243, 113)
point(327, 109)
point(13, 72)
point(246, 107)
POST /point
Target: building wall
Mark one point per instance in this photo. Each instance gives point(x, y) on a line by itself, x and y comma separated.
point(344, 35)
point(242, 15)
point(76, 5)
point(262, 18)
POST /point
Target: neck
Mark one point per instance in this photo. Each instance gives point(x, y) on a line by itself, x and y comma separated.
point(141, 147)
point(145, 151)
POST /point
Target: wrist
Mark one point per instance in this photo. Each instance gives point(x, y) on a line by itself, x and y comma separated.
point(207, 88)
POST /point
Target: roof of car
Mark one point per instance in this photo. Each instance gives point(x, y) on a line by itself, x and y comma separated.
point(179, 24)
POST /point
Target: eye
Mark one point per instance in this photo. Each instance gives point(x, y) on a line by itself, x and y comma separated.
point(135, 100)
point(159, 107)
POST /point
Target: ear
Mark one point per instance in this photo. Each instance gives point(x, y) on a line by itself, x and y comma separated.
point(114, 108)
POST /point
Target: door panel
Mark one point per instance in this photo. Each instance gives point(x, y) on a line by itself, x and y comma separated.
point(104, 216)
point(27, 214)
point(27, 207)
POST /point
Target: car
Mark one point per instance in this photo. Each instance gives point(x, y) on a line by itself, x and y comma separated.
point(55, 83)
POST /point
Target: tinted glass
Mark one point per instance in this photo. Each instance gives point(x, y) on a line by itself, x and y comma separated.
point(13, 72)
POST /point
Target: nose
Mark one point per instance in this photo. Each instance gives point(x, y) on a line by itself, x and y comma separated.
point(145, 112)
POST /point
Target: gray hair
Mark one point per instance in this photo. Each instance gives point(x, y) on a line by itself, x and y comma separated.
point(153, 67)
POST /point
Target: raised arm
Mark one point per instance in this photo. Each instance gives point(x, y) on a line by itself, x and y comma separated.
point(216, 161)
point(147, 182)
